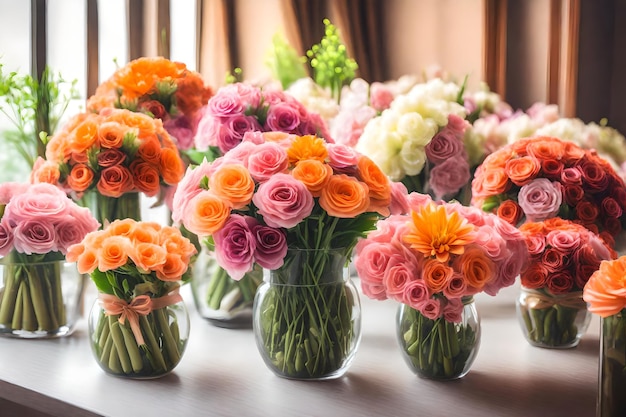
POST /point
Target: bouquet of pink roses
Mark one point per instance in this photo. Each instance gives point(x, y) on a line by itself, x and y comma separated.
point(239, 108)
point(433, 262)
point(38, 224)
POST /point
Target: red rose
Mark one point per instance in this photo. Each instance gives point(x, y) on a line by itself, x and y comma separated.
point(583, 272)
point(612, 225)
point(611, 208)
point(552, 168)
point(560, 282)
point(573, 194)
point(553, 260)
point(115, 181)
point(587, 212)
point(594, 175)
point(619, 193)
point(154, 108)
point(111, 157)
point(535, 276)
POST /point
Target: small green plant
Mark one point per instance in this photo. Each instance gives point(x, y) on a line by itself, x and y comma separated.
point(285, 63)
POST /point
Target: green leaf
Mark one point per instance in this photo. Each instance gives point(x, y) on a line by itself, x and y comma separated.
point(102, 282)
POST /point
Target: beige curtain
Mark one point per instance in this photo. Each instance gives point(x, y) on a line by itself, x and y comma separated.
point(216, 43)
point(304, 25)
point(361, 25)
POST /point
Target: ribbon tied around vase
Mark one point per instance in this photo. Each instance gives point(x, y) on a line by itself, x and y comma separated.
point(140, 305)
point(540, 300)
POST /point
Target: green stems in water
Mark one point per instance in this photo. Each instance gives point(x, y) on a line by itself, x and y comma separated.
point(612, 379)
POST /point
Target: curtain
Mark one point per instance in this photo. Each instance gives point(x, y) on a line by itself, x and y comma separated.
point(216, 44)
point(304, 22)
point(361, 26)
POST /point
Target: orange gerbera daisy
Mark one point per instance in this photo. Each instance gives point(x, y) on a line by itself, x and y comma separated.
point(434, 232)
point(307, 147)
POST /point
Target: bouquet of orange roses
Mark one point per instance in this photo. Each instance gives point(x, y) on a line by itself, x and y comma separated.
point(136, 327)
point(537, 178)
point(289, 204)
point(114, 155)
point(164, 89)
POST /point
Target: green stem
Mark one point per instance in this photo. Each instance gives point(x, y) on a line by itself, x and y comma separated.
point(170, 346)
point(155, 354)
point(12, 278)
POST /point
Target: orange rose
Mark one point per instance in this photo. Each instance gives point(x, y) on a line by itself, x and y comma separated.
point(58, 149)
point(476, 267)
point(233, 183)
point(313, 174)
point(148, 256)
point(307, 147)
point(498, 159)
point(378, 184)
point(175, 243)
point(114, 253)
point(510, 211)
point(84, 137)
point(144, 232)
point(345, 197)
point(191, 94)
point(121, 227)
point(605, 292)
point(115, 181)
point(172, 269)
point(87, 261)
point(145, 177)
point(543, 147)
point(535, 276)
point(149, 149)
point(80, 178)
point(436, 275)
point(522, 170)
point(206, 214)
point(172, 167)
point(111, 135)
point(45, 171)
point(495, 182)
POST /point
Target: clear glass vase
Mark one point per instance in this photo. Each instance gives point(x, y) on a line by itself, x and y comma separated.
point(612, 371)
point(223, 301)
point(552, 321)
point(40, 300)
point(149, 348)
point(307, 316)
point(439, 349)
point(108, 209)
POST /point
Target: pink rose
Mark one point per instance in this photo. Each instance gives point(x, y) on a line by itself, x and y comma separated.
point(41, 201)
point(600, 249)
point(10, 189)
point(225, 103)
point(564, 241)
point(342, 156)
point(493, 243)
point(456, 287)
point(235, 245)
point(380, 96)
point(540, 199)
point(207, 131)
point(182, 131)
point(84, 219)
point(240, 154)
point(315, 125)
point(347, 127)
point(232, 131)
point(449, 177)
point(416, 294)
point(188, 188)
point(273, 97)
point(399, 198)
point(6, 239)
point(255, 137)
point(249, 94)
point(453, 310)
point(271, 246)
point(283, 201)
point(282, 117)
point(371, 262)
point(536, 243)
point(417, 200)
point(444, 145)
point(68, 232)
point(571, 176)
point(431, 308)
point(268, 159)
point(34, 236)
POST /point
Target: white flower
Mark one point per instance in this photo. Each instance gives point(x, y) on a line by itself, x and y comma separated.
point(413, 158)
point(315, 98)
point(415, 128)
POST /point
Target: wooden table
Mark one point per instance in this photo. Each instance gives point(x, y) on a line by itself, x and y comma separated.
point(222, 374)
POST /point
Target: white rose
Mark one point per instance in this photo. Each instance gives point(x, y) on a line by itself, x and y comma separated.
point(416, 129)
point(413, 157)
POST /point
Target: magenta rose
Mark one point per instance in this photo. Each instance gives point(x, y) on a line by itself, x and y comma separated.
point(6, 239)
point(540, 199)
point(283, 201)
point(235, 245)
point(266, 160)
point(450, 176)
point(271, 246)
point(34, 236)
point(282, 117)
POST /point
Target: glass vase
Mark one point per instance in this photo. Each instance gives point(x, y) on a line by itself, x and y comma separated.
point(612, 371)
point(41, 299)
point(439, 349)
point(107, 209)
point(149, 347)
point(223, 301)
point(552, 321)
point(307, 316)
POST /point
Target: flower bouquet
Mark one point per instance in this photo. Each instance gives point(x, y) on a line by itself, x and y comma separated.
point(239, 108)
point(538, 178)
point(563, 255)
point(41, 294)
point(139, 325)
point(419, 140)
point(433, 261)
point(161, 88)
point(296, 206)
point(605, 293)
point(113, 156)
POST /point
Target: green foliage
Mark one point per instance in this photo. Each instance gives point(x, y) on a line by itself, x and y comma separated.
point(285, 63)
point(329, 60)
point(236, 76)
point(34, 107)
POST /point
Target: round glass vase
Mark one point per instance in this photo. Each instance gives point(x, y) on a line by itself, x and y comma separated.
point(223, 301)
point(439, 349)
point(552, 321)
point(307, 316)
point(147, 347)
point(611, 376)
point(40, 299)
